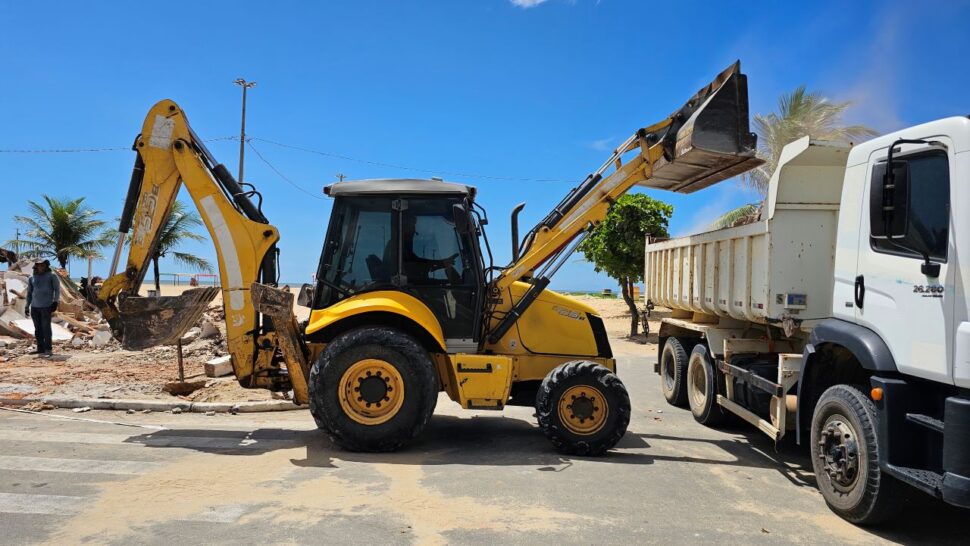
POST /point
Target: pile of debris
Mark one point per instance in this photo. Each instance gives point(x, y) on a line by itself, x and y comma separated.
point(76, 320)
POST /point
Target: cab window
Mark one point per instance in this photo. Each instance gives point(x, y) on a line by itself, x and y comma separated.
point(928, 209)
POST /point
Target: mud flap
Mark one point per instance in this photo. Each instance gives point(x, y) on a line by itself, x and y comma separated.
point(146, 322)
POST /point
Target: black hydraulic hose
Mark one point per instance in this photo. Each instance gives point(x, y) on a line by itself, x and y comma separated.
point(225, 178)
point(134, 189)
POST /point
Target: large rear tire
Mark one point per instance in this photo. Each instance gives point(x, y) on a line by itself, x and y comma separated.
point(702, 381)
point(673, 372)
point(373, 389)
point(583, 408)
point(845, 457)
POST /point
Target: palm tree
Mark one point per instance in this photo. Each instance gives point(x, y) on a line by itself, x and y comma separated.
point(799, 113)
point(178, 229)
point(62, 229)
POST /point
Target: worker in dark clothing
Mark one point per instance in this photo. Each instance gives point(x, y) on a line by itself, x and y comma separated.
point(43, 293)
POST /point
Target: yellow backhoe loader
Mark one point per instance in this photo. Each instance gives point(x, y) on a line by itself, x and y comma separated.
point(405, 303)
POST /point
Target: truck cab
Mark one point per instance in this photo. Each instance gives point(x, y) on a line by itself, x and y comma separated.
point(907, 286)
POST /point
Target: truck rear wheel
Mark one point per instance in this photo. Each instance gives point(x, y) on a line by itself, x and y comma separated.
point(673, 372)
point(583, 408)
point(845, 457)
point(373, 389)
point(702, 384)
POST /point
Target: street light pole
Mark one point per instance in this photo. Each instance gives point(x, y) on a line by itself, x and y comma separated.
point(242, 131)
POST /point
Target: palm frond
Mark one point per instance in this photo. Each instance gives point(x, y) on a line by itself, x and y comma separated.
point(192, 261)
point(744, 214)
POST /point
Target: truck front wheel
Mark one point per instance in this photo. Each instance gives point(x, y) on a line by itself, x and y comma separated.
point(845, 457)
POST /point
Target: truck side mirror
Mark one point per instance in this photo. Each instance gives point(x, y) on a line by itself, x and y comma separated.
point(460, 216)
point(889, 201)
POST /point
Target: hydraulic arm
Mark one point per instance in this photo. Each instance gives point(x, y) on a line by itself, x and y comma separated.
point(170, 155)
point(705, 141)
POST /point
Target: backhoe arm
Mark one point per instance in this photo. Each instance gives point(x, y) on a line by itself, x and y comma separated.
point(705, 141)
point(171, 155)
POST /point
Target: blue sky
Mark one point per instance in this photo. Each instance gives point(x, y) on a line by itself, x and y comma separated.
point(521, 89)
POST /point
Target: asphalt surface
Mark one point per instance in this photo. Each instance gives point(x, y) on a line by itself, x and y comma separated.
point(472, 478)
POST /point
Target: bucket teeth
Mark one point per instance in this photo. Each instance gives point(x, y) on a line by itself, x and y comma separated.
point(147, 322)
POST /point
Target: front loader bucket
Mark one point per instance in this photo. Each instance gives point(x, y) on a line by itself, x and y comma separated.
point(163, 320)
point(709, 140)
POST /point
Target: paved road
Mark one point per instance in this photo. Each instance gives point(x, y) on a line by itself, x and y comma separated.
point(476, 478)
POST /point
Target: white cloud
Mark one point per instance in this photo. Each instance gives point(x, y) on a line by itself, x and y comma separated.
point(526, 4)
point(601, 144)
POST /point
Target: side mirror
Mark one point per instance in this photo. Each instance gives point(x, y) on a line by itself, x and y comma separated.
point(305, 297)
point(460, 216)
point(889, 201)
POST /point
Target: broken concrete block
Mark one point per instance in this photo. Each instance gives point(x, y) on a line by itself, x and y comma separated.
point(100, 339)
point(219, 366)
point(81, 410)
point(208, 330)
point(176, 411)
point(58, 332)
point(192, 334)
point(77, 342)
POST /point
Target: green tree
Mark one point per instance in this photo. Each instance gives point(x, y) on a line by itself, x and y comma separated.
point(177, 230)
point(800, 113)
point(62, 228)
point(616, 245)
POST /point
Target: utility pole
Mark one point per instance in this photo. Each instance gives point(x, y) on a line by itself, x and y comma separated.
point(341, 176)
point(242, 132)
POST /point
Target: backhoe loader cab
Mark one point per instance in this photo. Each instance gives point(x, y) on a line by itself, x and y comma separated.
point(403, 236)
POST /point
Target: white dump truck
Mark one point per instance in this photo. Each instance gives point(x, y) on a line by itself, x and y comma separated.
point(842, 316)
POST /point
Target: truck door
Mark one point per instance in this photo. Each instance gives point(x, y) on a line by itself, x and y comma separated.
point(908, 304)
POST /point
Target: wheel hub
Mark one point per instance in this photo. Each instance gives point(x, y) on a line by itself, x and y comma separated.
point(371, 391)
point(839, 453)
point(583, 409)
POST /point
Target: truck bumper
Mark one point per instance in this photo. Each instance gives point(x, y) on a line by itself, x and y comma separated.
point(955, 488)
point(904, 435)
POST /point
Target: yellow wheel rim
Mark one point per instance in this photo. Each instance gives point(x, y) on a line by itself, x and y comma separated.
point(371, 391)
point(583, 409)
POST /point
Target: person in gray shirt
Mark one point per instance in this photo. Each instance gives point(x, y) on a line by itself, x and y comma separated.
point(43, 293)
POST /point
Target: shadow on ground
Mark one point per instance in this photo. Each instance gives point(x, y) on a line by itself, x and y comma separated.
point(497, 440)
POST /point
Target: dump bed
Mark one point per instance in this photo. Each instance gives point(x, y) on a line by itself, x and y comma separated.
point(779, 267)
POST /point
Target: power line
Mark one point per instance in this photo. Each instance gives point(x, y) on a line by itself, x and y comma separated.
point(405, 167)
point(87, 150)
point(331, 155)
point(279, 174)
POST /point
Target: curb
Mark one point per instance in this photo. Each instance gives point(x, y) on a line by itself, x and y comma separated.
point(158, 405)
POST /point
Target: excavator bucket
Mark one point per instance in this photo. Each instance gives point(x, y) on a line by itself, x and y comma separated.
point(709, 139)
point(146, 322)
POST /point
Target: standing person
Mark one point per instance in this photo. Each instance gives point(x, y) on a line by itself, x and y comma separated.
point(43, 293)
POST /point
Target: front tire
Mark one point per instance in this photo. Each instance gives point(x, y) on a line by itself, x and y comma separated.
point(702, 384)
point(845, 457)
point(583, 408)
point(373, 389)
point(673, 372)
